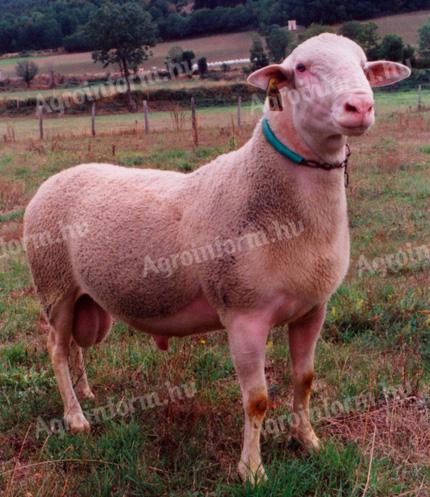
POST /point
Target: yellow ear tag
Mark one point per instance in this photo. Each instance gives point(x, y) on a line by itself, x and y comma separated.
point(274, 95)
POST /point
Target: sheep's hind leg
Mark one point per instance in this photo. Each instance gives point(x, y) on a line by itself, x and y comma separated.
point(59, 340)
point(303, 337)
point(77, 364)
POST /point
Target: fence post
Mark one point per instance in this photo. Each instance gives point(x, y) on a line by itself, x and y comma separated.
point(239, 103)
point(146, 116)
point(40, 116)
point(194, 122)
point(93, 119)
point(420, 97)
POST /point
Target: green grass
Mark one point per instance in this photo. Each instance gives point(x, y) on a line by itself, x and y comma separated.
point(376, 336)
point(11, 216)
point(12, 61)
point(207, 117)
point(389, 102)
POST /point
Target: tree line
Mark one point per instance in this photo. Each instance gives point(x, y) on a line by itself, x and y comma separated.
point(36, 24)
point(279, 43)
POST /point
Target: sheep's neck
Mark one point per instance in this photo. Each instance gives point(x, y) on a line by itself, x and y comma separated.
point(315, 196)
point(312, 146)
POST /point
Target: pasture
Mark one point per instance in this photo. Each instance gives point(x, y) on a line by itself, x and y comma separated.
point(169, 424)
point(57, 125)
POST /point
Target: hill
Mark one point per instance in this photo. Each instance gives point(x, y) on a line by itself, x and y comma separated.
point(405, 25)
point(38, 25)
point(214, 47)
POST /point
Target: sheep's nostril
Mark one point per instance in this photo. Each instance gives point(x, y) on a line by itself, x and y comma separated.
point(370, 108)
point(350, 108)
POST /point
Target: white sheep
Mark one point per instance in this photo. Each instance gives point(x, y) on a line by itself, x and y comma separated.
point(132, 261)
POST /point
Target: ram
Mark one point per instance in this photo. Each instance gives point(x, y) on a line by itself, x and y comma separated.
point(171, 254)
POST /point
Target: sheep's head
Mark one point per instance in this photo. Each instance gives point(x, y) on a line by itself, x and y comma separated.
point(328, 82)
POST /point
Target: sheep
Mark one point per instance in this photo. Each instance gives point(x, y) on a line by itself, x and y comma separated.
point(131, 259)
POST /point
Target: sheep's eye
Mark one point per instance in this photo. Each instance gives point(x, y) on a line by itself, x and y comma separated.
point(301, 67)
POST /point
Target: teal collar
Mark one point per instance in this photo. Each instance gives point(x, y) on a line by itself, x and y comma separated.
point(298, 159)
point(279, 146)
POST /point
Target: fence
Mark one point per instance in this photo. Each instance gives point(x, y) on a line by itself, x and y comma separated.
point(142, 118)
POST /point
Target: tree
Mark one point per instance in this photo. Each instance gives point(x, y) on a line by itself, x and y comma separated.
point(174, 60)
point(369, 40)
point(6, 36)
point(277, 41)
point(314, 30)
point(77, 42)
point(409, 55)
point(179, 60)
point(392, 48)
point(258, 56)
point(365, 34)
point(173, 27)
point(175, 54)
point(424, 46)
point(187, 57)
point(121, 34)
point(202, 64)
point(27, 70)
point(352, 29)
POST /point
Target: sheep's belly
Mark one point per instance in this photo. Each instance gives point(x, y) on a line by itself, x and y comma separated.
point(200, 317)
point(197, 317)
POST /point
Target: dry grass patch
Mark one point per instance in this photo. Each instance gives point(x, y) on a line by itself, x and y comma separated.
point(400, 428)
point(11, 195)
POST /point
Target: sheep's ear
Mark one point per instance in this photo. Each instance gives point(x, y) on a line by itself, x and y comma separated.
point(384, 72)
point(261, 77)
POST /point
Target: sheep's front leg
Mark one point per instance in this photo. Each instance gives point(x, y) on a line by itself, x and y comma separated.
point(77, 365)
point(247, 340)
point(59, 349)
point(303, 337)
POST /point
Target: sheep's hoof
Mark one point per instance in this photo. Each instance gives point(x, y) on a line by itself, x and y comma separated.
point(77, 423)
point(251, 473)
point(305, 440)
point(86, 394)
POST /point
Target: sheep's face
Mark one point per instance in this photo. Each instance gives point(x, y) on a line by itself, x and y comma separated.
point(328, 82)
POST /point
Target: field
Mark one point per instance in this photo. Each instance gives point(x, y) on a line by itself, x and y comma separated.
point(58, 126)
point(404, 25)
point(371, 399)
point(214, 48)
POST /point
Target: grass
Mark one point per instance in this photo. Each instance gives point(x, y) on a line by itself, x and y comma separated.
point(12, 61)
point(375, 345)
point(125, 122)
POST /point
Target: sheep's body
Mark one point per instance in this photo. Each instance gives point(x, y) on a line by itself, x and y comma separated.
point(135, 216)
point(133, 261)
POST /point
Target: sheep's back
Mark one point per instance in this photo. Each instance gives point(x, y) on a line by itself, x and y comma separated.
point(117, 220)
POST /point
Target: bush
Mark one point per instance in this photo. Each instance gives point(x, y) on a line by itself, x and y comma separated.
point(203, 66)
point(27, 70)
point(392, 48)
